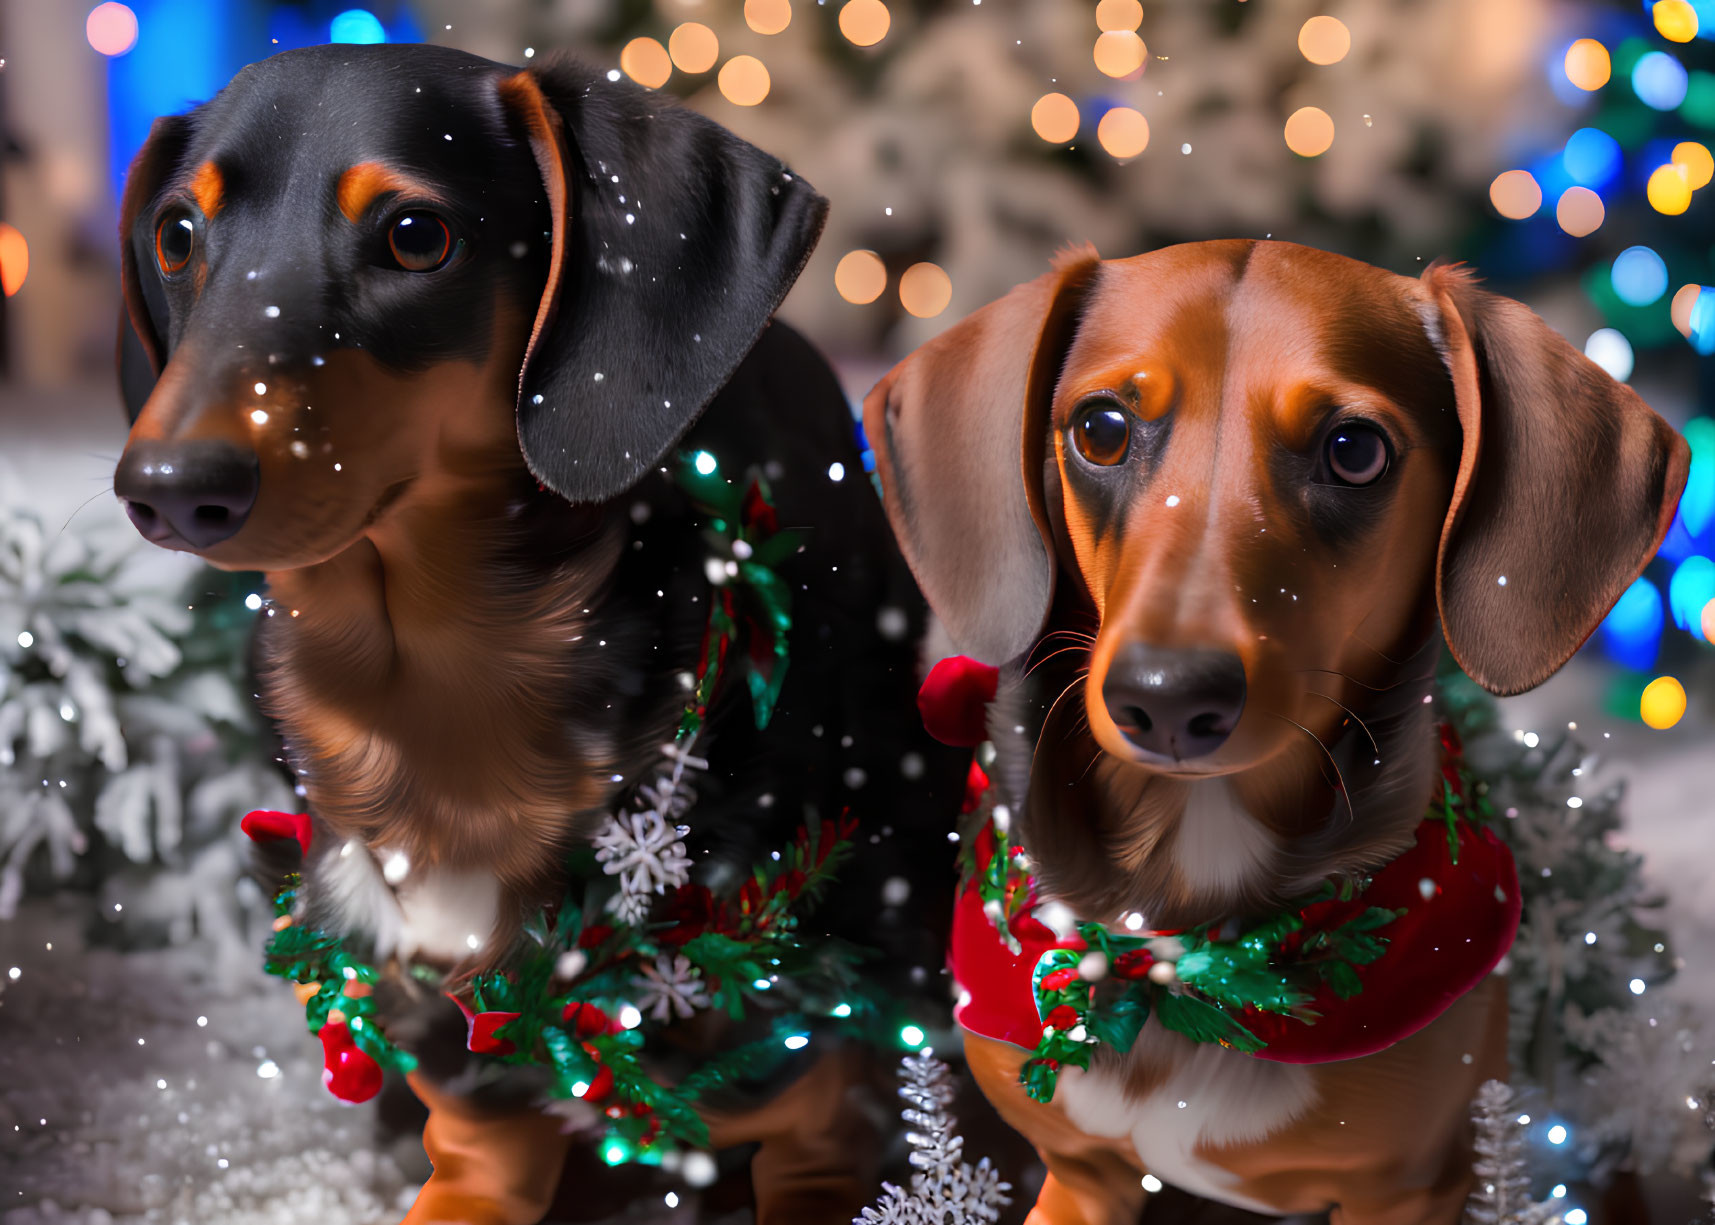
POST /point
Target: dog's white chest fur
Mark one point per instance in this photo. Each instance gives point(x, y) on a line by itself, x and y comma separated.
point(1213, 1096)
point(436, 913)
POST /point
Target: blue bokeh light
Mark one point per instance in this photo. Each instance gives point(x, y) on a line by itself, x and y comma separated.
point(1632, 631)
point(1660, 81)
point(360, 26)
point(1639, 276)
point(1592, 157)
point(1692, 587)
point(1703, 321)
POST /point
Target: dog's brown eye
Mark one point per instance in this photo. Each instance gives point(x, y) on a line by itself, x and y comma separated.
point(175, 240)
point(1101, 432)
point(420, 241)
point(1357, 454)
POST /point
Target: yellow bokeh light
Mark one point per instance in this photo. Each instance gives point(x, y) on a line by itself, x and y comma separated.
point(1675, 20)
point(694, 47)
point(1055, 118)
point(1669, 190)
point(925, 290)
point(1119, 53)
point(743, 80)
point(1309, 131)
point(1515, 194)
point(1684, 298)
point(1123, 132)
point(1324, 40)
point(646, 61)
point(865, 22)
point(1579, 211)
point(1708, 621)
point(1663, 703)
point(1587, 64)
point(768, 16)
point(860, 276)
point(1118, 16)
point(14, 259)
point(1698, 162)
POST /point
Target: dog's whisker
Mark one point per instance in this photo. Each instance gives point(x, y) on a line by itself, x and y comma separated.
point(1405, 680)
point(82, 506)
point(1375, 748)
point(1062, 651)
point(1345, 792)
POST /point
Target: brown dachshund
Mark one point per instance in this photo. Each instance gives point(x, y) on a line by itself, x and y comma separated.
point(1255, 486)
point(417, 334)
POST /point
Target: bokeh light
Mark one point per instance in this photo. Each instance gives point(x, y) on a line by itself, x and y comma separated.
point(1659, 80)
point(1679, 310)
point(694, 47)
point(1324, 40)
point(14, 259)
point(1515, 194)
point(357, 26)
point(1675, 20)
point(1309, 131)
point(1698, 162)
point(1702, 335)
point(1591, 157)
point(1709, 622)
point(925, 290)
point(1119, 53)
point(768, 16)
point(1697, 503)
point(1669, 190)
point(860, 277)
point(1579, 211)
point(1118, 15)
point(865, 22)
point(111, 29)
point(744, 80)
point(1663, 703)
point(1690, 591)
point(646, 61)
point(1610, 350)
point(1632, 628)
point(1123, 132)
point(1639, 276)
point(1588, 65)
point(1055, 118)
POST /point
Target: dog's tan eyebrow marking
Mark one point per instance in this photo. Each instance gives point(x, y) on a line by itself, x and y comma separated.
point(208, 189)
point(361, 185)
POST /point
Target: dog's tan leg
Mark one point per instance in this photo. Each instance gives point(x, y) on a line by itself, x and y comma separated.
point(490, 1169)
point(819, 1154)
point(1091, 1181)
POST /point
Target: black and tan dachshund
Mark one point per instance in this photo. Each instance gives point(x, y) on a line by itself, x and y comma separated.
point(420, 332)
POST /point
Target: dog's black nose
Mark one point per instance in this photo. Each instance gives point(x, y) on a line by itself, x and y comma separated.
point(1175, 703)
point(187, 494)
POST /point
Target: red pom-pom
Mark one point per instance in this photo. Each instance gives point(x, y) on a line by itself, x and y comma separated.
point(264, 825)
point(1063, 1017)
point(954, 700)
point(349, 1074)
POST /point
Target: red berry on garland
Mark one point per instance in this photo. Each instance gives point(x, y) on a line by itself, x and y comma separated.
point(1059, 978)
point(601, 1084)
point(594, 935)
point(1133, 964)
point(954, 700)
point(349, 1074)
point(976, 784)
point(588, 1020)
point(1063, 1017)
point(480, 1029)
point(265, 825)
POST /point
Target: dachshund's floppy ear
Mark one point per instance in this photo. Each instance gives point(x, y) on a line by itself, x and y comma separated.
point(673, 242)
point(1567, 483)
point(958, 429)
point(142, 350)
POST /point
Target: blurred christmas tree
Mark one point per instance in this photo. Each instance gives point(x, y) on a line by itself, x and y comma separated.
point(1605, 1071)
point(128, 742)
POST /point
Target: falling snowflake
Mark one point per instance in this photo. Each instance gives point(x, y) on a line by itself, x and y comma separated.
point(643, 845)
point(672, 986)
point(945, 1190)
